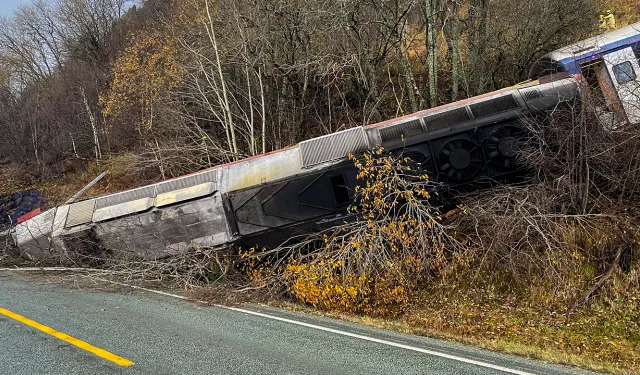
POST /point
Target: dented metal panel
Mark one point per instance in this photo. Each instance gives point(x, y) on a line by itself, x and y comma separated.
point(122, 209)
point(34, 235)
point(161, 232)
point(185, 194)
point(41, 225)
point(333, 146)
point(126, 196)
point(80, 213)
point(260, 170)
point(187, 181)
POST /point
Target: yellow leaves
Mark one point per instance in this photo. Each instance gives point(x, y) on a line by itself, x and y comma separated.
point(387, 231)
point(321, 285)
point(327, 286)
point(376, 263)
point(145, 74)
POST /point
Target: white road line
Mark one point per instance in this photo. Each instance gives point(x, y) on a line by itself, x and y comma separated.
point(384, 342)
point(343, 333)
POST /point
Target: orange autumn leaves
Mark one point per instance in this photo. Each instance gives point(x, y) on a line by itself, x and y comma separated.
point(376, 262)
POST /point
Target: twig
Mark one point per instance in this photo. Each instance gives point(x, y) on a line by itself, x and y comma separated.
point(597, 285)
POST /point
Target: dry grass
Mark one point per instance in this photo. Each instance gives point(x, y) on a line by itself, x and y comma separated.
point(549, 270)
point(12, 178)
point(605, 335)
point(58, 189)
point(516, 330)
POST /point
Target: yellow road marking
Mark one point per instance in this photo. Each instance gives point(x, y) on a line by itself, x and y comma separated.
point(71, 340)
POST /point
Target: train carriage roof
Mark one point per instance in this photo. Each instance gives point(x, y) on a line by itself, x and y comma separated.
point(569, 58)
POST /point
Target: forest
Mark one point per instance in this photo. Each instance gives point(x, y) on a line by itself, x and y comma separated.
point(161, 88)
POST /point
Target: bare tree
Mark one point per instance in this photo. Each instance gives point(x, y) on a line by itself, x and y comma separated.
point(431, 12)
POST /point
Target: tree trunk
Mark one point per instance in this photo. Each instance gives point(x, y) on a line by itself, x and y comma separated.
point(478, 14)
point(226, 104)
point(252, 139)
point(452, 36)
point(403, 52)
point(430, 17)
point(94, 128)
point(264, 119)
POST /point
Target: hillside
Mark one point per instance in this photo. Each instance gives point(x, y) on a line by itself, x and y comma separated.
point(150, 90)
point(158, 89)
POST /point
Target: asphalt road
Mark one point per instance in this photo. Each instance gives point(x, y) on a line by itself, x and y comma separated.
point(165, 335)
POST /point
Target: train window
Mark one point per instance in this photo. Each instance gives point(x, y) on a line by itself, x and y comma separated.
point(624, 72)
point(340, 189)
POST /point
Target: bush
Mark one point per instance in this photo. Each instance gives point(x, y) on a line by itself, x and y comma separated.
point(376, 261)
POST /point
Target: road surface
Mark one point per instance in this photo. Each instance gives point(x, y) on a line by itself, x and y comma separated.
point(48, 328)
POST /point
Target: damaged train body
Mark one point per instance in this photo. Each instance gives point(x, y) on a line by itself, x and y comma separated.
point(268, 198)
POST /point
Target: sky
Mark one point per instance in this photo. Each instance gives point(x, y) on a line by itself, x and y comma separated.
point(8, 6)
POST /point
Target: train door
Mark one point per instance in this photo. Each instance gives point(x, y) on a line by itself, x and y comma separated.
point(602, 94)
point(624, 70)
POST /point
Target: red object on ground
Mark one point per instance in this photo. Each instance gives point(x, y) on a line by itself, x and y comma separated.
point(28, 216)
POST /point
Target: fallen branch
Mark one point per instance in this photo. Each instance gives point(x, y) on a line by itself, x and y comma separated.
point(597, 285)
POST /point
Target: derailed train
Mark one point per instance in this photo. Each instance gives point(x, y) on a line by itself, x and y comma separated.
point(267, 198)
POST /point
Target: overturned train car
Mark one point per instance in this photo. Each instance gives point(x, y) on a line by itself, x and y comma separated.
point(265, 199)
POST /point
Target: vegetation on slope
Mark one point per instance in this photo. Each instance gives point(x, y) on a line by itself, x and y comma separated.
point(550, 268)
point(163, 88)
point(176, 86)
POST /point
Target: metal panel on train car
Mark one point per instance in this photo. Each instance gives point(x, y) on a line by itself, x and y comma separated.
point(624, 70)
point(298, 200)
